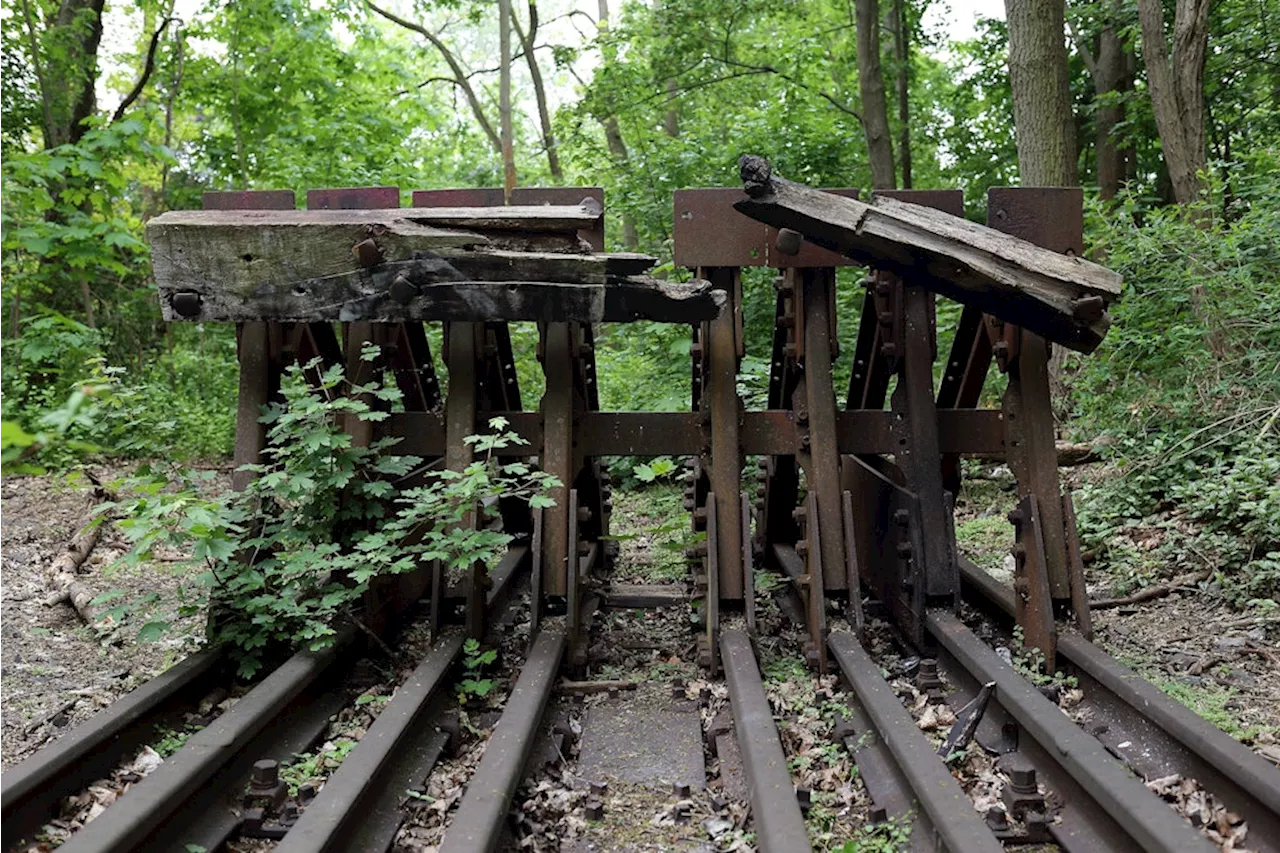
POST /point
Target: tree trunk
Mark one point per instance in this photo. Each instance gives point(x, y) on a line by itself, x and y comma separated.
point(902, 55)
point(1041, 93)
point(504, 99)
point(527, 39)
point(613, 138)
point(67, 91)
point(1176, 80)
point(875, 110)
point(1112, 73)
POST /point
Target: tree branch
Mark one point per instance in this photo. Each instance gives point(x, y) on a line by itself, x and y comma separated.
point(459, 74)
point(147, 68)
point(769, 69)
point(1082, 48)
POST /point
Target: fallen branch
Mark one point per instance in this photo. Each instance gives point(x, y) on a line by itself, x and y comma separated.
point(1150, 592)
point(63, 573)
point(567, 686)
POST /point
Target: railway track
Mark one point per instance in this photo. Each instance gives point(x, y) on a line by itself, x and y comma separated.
point(964, 750)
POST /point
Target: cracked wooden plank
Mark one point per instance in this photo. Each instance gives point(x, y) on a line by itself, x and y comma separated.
point(1059, 297)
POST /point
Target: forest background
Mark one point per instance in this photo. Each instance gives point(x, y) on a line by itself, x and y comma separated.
point(1166, 111)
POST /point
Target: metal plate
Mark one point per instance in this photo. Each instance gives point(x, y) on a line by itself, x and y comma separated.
point(250, 200)
point(492, 197)
point(353, 198)
point(1052, 217)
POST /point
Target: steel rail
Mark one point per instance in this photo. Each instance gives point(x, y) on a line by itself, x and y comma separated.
point(359, 806)
point(362, 797)
point(480, 821)
point(779, 825)
point(31, 790)
point(1077, 764)
point(133, 822)
point(1157, 735)
point(950, 813)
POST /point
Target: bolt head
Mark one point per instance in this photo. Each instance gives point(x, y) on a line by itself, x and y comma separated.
point(367, 253)
point(186, 303)
point(402, 290)
point(789, 241)
point(266, 773)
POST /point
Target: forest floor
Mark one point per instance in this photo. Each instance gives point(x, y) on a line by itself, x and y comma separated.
point(56, 671)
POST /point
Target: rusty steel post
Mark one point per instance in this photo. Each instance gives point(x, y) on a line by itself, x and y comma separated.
point(460, 422)
point(558, 412)
point(1050, 217)
point(720, 403)
point(821, 459)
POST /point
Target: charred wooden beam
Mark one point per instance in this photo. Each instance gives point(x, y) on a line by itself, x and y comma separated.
point(1059, 297)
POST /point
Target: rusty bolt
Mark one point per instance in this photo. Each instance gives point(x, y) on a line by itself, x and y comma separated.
point(584, 514)
point(1023, 780)
point(997, 821)
point(704, 695)
point(266, 773)
point(885, 318)
point(901, 517)
point(584, 548)
point(804, 440)
point(1001, 349)
point(789, 241)
point(799, 513)
point(904, 548)
point(805, 798)
point(802, 415)
point(1019, 551)
point(186, 303)
point(606, 505)
point(306, 793)
point(367, 253)
point(868, 282)
point(1022, 587)
point(595, 810)
point(680, 813)
point(882, 288)
point(681, 790)
point(889, 350)
point(402, 290)
point(600, 788)
point(879, 814)
point(1088, 309)
point(1015, 516)
point(802, 547)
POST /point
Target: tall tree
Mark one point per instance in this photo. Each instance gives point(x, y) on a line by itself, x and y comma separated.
point(528, 38)
point(902, 56)
point(504, 99)
point(1111, 66)
point(1041, 89)
point(1176, 80)
point(63, 44)
point(875, 109)
point(612, 132)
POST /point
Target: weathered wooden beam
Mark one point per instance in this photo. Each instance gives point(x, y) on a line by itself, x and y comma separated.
point(412, 290)
point(1060, 297)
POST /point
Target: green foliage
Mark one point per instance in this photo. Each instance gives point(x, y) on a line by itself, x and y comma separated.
point(1185, 389)
point(314, 766)
point(474, 662)
point(889, 836)
point(658, 468)
point(290, 556)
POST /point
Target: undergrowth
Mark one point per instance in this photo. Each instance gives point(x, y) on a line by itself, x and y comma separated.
point(1185, 396)
point(287, 560)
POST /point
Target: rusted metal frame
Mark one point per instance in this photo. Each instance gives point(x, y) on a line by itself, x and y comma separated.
point(815, 592)
point(163, 801)
point(952, 823)
point(766, 432)
point(853, 609)
point(559, 453)
point(463, 348)
point(748, 568)
point(890, 537)
point(573, 580)
point(481, 818)
point(1075, 569)
point(775, 812)
point(723, 408)
point(259, 376)
point(1153, 733)
point(1103, 806)
point(710, 651)
point(31, 790)
point(1030, 583)
point(1050, 218)
point(415, 373)
point(963, 378)
point(877, 346)
point(536, 572)
point(919, 451)
point(778, 473)
point(364, 792)
point(816, 416)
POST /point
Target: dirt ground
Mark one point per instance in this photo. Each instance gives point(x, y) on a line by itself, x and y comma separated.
point(55, 671)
